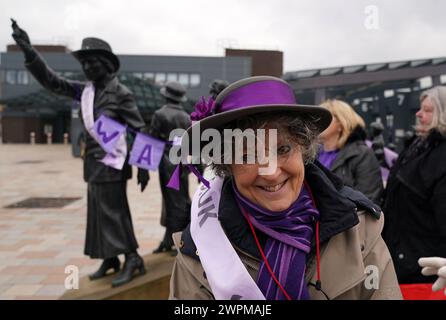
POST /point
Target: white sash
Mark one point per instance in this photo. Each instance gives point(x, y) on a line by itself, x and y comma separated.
point(116, 158)
point(228, 277)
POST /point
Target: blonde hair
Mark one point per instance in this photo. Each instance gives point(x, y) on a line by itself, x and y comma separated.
point(346, 116)
point(438, 97)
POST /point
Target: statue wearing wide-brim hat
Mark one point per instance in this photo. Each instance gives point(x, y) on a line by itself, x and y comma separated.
point(95, 46)
point(109, 231)
point(170, 117)
point(174, 91)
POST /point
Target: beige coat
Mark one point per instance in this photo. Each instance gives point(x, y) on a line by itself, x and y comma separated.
point(346, 262)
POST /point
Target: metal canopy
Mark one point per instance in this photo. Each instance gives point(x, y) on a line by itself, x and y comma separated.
point(363, 74)
point(146, 93)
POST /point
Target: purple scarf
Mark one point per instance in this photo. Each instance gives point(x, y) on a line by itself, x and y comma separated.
point(289, 239)
point(327, 158)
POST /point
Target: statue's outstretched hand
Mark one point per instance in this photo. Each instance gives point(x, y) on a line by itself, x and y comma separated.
point(435, 266)
point(22, 39)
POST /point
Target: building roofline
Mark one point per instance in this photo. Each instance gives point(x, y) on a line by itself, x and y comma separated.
point(360, 68)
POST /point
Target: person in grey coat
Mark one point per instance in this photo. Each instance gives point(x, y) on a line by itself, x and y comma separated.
point(175, 204)
point(109, 224)
point(345, 153)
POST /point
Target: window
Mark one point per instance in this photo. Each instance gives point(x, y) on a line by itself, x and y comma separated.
point(160, 77)
point(389, 93)
point(364, 107)
point(172, 77)
point(149, 75)
point(22, 77)
point(47, 128)
point(123, 76)
point(389, 120)
point(2, 76)
point(194, 80)
point(425, 82)
point(183, 78)
point(11, 77)
point(137, 75)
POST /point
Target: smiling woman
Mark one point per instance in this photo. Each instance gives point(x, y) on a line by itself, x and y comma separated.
point(275, 192)
point(289, 234)
point(296, 145)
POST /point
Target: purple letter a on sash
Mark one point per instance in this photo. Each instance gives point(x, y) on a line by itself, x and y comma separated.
point(146, 152)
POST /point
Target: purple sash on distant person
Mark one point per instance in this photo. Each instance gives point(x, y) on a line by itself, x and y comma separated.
point(390, 158)
point(228, 277)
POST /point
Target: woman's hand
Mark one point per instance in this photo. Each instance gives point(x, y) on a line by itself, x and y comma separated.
point(434, 266)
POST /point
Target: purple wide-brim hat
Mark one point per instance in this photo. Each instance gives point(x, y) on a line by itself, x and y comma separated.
point(255, 95)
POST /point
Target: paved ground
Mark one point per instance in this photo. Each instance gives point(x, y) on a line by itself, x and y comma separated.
point(36, 245)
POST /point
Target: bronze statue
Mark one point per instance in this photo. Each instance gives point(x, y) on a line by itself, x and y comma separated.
point(217, 86)
point(176, 204)
point(109, 225)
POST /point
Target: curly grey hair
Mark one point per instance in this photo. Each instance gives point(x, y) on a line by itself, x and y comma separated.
point(299, 131)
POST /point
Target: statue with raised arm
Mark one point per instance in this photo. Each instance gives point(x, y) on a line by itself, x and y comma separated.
point(109, 225)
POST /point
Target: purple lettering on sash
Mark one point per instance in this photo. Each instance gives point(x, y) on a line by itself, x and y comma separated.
point(146, 155)
point(146, 152)
point(207, 214)
point(108, 132)
point(205, 211)
point(103, 134)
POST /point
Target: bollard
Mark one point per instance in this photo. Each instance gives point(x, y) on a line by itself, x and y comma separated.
point(32, 137)
point(65, 138)
point(49, 138)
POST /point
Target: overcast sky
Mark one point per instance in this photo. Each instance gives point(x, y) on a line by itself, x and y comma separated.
point(312, 34)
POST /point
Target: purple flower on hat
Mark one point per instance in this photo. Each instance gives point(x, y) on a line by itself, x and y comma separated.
point(203, 109)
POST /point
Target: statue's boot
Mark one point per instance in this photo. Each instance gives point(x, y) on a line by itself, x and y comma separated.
point(107, 264)
point(163, 247)
point(133, 262)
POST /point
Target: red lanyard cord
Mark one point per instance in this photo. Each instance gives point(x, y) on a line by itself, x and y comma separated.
point(318, 260)
point(264, 257)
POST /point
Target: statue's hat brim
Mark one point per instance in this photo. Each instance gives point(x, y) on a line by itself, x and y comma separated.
point(81, 54)
point(96, 46)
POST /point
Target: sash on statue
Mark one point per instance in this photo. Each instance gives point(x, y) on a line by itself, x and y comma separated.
point(147, 152)
point(108, 133)
point(228, 277)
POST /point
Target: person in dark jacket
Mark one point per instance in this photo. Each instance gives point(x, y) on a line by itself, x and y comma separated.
point(175, 204)
point(345, 153)
point(415, 197)
point(109, 224)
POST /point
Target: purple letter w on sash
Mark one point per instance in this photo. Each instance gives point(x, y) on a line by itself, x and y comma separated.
point(108, 132)
point(103, 134)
